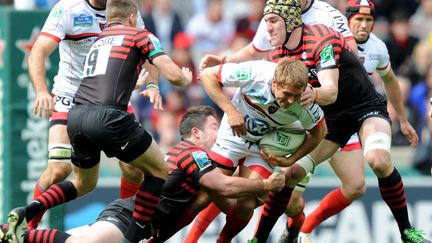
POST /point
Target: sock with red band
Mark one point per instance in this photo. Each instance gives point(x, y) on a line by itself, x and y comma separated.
point(202, 221)
point(57, 194)
point(128, 189)
point(38, 190)
point(274, 207)
point(146, 200)
point(233, 225)
point(330, 205)
point(393, 193)
point(46, 236)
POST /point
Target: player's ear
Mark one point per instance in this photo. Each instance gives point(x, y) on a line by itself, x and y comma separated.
point(195, 131)
point(133, 19)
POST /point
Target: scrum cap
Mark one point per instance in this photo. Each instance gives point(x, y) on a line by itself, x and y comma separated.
point(289, 10)
point(354, 7)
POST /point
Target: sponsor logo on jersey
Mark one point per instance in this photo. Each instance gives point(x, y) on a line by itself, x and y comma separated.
point(201, 159)
point(327, 56)
point(257, 95)
point(83, 20)
point(157, 46)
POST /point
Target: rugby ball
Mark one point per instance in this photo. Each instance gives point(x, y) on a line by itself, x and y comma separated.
point(281, 142)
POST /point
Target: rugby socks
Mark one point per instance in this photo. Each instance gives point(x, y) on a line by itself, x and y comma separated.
point(233, 225)
point(393, 193)
point(202, 221)
point(274, 207)
point(294, 223)
point(147, 198)
point(57, 194)
point(46, 236)
point(38, 190)
point(128, 189)
point(331, 204)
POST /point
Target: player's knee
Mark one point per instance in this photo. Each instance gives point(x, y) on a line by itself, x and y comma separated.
point(294, 174)
point(378, 160)
point(354, 191)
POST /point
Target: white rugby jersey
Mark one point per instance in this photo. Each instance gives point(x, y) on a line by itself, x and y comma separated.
point(256, 102)
point(374, 55)
point(318, 13)
point(75, 25)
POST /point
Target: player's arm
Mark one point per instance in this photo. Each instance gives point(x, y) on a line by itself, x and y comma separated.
point(231, 186)
point(394, 95)
point(149, 77)
point(247, 53)
point(209, 79)
point(170, 70)
point(313, 138)
point(328, 92)
point(41, 50)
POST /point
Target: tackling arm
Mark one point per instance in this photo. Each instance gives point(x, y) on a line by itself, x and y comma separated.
point(328, 92)
point(232, 186)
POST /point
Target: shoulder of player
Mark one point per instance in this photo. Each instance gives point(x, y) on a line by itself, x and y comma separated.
point(377, 41)
point(69, 6)
point(320, 29)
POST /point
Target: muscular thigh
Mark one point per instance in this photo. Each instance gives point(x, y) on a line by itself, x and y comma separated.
point(348, 166)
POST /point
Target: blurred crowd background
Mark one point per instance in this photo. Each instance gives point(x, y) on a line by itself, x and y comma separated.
point(188, 29)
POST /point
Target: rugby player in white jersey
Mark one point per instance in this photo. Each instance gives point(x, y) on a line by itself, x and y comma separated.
point(374, 55)
point(313, 12)
point(73, 26)
point(267, 99)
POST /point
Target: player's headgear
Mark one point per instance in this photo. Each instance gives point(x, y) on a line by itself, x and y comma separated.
point(354, 7)
point(289, 10)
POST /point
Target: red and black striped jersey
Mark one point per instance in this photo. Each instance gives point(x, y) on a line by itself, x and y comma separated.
point(323, 48)
point(113, 64)
point(186, 164)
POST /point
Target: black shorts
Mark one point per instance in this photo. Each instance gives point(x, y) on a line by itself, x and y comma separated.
point(341, 126)
point(118, 213)
point(92, 129)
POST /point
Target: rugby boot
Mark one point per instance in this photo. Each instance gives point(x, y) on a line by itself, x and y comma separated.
point(17, 225)
point(414, 235)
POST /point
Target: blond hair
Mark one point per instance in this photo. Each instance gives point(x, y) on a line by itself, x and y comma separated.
point(120, 9)
point(290, 71)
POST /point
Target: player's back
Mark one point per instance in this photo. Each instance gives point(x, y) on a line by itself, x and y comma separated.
point(113, 63)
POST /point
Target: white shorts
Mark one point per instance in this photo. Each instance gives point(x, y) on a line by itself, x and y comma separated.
point(352, 144)
point(64, 102)
point(231, 151)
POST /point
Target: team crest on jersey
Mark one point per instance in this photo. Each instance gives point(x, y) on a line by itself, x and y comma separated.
point(272, 109)
point(201, 159)
point(327, 56)
point(83, 20)
point(362, 59)
point(56, 12)
point(243, 74)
